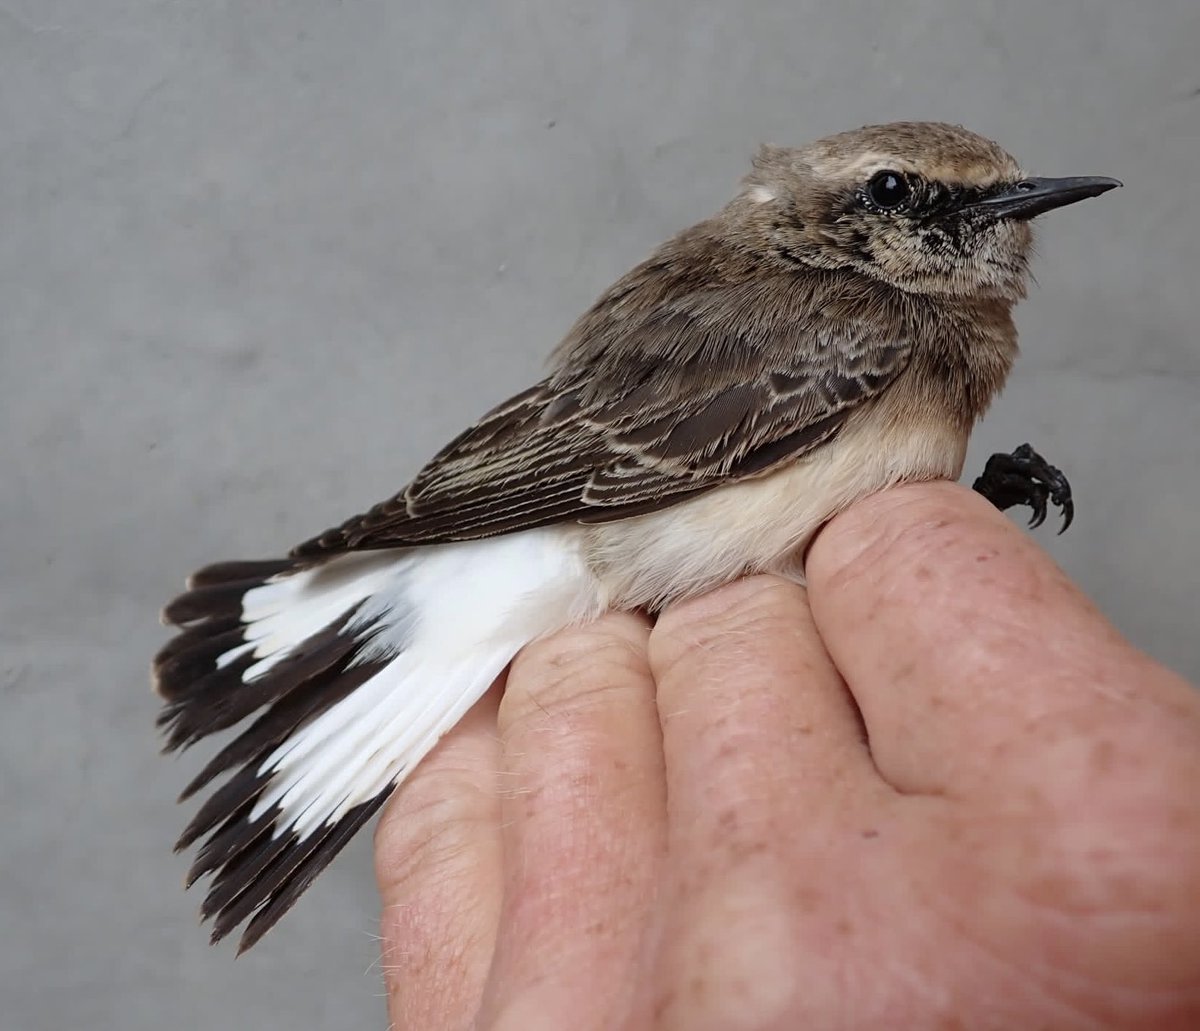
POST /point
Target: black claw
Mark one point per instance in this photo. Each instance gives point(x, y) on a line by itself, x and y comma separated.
point(1026, 478)
point(1060, 495)
point(1038, 505)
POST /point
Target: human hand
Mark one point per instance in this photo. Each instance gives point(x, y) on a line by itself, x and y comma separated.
point(685, 826)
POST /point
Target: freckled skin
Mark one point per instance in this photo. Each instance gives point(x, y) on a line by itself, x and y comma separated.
point(884, 829)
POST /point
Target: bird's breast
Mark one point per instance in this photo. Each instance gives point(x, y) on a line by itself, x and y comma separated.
point(764, 524)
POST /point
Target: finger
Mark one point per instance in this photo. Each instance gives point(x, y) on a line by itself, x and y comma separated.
point(438, 864)
point(583, 816)
point(763, 749)
point(964, 644)
point(753, 710)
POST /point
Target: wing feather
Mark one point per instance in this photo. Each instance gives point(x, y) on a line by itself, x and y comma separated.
point(650, 405)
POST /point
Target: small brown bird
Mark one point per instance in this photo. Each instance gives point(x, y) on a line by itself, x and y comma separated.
point(838, 327)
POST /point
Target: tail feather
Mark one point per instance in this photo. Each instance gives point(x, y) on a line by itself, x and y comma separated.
point(188, 640)
point(282, 719)
point(243, 872)
point(285, 894)
point(182, 672)
point(221, 814)
point(227, 843)
point(213, 601)
point(234, 572)
point(229, 693)
point(351, 670)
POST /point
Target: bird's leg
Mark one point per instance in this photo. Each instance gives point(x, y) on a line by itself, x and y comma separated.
point(1026, 478)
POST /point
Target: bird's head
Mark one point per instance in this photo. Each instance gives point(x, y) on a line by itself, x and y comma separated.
point(927, 207)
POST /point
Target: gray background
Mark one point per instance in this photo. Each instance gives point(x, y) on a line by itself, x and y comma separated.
point(258, 260)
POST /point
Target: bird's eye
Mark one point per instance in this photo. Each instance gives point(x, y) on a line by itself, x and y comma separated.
point(888, 189)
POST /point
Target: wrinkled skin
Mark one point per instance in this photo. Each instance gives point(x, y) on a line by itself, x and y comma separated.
point(683, 827)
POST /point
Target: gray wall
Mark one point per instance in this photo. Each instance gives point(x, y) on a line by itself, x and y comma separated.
point(258, 260)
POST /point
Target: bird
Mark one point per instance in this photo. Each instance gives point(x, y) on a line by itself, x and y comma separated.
point(839, 326)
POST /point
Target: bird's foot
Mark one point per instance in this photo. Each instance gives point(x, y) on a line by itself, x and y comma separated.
point(1026, 478)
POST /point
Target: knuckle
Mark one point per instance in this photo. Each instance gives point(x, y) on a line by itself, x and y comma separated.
point(739, 615)
point(436, 861)
point(892, 533)
point(431, 825)
point(576, 671)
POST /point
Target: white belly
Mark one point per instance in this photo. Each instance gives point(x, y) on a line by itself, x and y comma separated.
point(764, 525)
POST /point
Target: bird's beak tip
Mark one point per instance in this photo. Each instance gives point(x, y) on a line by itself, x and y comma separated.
point(1034, 195)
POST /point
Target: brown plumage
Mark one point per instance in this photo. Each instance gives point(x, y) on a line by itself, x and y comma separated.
point(744, 342)
point(840, 325)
